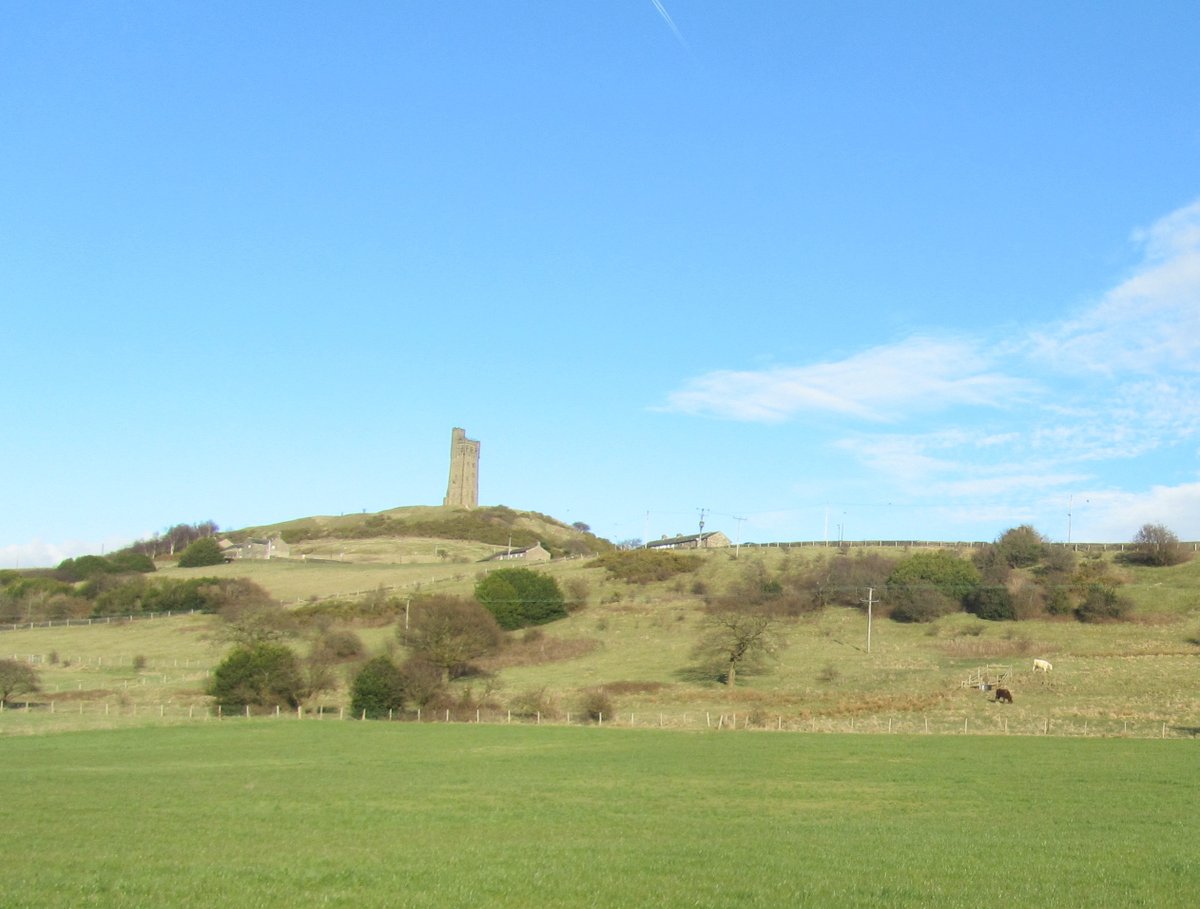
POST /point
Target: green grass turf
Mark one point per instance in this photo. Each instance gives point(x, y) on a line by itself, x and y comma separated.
point(266, 814)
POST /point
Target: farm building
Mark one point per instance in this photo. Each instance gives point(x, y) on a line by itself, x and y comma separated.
point(270, 548)
point(535, 553)
point(714, 539)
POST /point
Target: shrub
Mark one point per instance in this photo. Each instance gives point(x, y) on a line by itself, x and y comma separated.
point(992, 602)
point(448, 632)
point(596, 704)
point(577, 592)
point(518, 597)
point(1022, 546)
point(941, 570)
point(1155, 544)
point(919, 604)
point(423, 681)
point(131, 560)
point(262, 675)
point(83, 568)
point(204, 551)
point(532, 702)
point(17, 677)
point(338, 646)
point(379, 687)
point(1102, 603)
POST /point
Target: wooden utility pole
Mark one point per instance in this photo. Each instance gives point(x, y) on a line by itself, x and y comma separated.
point(870, 602)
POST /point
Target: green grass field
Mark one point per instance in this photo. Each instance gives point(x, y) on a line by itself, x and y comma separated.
point(263, 813)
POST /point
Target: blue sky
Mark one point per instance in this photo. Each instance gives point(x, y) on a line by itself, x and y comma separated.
point(868, 270)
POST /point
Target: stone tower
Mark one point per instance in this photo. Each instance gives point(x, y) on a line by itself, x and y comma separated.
point(463, 489)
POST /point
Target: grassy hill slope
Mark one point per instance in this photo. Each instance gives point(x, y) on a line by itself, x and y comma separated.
point(636, 641)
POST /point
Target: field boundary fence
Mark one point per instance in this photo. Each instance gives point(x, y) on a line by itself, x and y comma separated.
point(109, 711)
point(96, 620)
point(1193, 546)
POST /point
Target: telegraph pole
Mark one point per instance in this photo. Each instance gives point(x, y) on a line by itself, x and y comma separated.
point(870, 602)
point(737, 547)
point(700, 536)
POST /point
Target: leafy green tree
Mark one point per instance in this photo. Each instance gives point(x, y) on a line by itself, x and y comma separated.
point(17, 677)
point(204, 551)
point(378, 688)
point(518, 597)
point(449, 632)
point(262, 675)
point(1157, 545)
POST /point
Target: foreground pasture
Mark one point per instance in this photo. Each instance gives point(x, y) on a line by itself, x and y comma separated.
point(262, 814)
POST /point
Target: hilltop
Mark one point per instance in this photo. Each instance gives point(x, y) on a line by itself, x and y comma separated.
point(406, 534)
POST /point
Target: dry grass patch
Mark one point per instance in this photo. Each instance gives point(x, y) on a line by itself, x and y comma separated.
point(537, 652)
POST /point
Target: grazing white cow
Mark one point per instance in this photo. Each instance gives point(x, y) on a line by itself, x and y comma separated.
point(1042, 666)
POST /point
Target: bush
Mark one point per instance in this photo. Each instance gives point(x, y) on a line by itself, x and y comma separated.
point(992, 602)
point(596, 704)
point(17, 677)
point(205, 551)
point(378, 688)
point(338, 646)
point(919, 604)
point(131, 560)
point(263, 675)
point(83, 568)
point(942, 570)
point(518, 597)
point(423, 681)
point(448, 632)
point(1102, 603)
point(1156, 545)
point(1022, 546)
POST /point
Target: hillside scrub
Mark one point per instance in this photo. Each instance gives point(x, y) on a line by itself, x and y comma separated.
point(643, 566)
point(40, 599)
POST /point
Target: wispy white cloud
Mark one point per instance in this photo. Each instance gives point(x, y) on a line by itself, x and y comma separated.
point(1150, 322)
point(1018, 426)
point(666, 17)
point(880, 385)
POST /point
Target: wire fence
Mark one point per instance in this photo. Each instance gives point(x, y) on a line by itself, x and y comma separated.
point(94, 620)
point(109, 710)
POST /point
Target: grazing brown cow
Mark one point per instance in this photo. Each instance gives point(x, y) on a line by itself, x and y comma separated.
point(1003, 696)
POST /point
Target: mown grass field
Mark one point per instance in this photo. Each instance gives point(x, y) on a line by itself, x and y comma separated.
point(261, 813)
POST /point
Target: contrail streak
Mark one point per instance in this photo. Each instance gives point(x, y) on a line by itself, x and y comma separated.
point(662, 11)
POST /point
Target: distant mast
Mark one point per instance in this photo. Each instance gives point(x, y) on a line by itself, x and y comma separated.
point(463, 489)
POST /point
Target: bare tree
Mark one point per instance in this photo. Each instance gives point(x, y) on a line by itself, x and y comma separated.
point(1155, 544)
point(449, 632)
point(735, 640)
